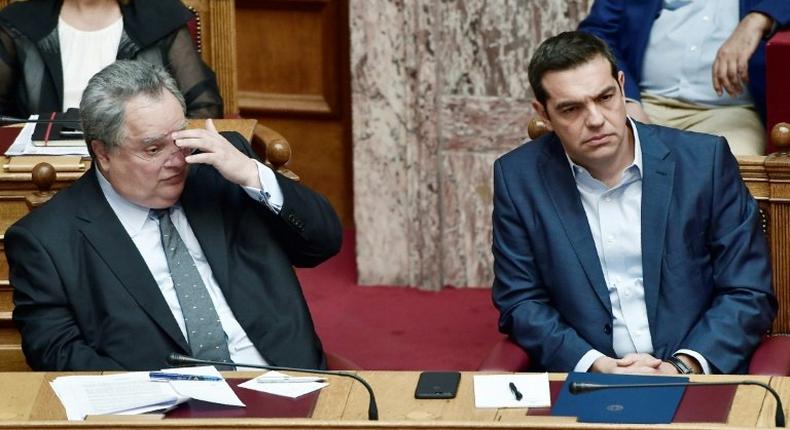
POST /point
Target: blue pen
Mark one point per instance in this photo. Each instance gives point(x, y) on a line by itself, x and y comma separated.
point(166, 376)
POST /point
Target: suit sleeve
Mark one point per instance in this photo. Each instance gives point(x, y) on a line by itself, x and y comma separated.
point(743, 305)
point(779, 10)
point(526, 312)
point(51, 338)
point(195, 79)
point(606, 20)
point(306, 226)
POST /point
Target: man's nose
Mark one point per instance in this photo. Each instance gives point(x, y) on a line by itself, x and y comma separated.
point(177, 157)
point(595, 117)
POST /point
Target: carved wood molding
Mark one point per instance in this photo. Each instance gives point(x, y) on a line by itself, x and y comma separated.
point(314, 104)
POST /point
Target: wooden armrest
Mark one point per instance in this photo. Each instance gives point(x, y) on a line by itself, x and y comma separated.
point(274, 149)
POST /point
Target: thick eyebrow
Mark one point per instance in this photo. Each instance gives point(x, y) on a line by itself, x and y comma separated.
point(153, 139)
point(569, 103)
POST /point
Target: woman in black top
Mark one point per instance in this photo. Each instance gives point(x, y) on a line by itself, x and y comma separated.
point(31, 73)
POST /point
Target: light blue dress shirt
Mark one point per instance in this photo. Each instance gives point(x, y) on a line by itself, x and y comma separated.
point(143, 229)
point(683, 44)
point(615, 219)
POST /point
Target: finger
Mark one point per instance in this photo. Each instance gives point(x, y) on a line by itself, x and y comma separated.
point(743, 68)
point(716, 71)
point(728, 75)
point(195, 143)
point(210, 126)
point(200, 158)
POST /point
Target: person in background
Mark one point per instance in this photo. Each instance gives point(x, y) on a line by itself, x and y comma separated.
point(695, 65)
point(49, 49)
point(621, 247)
point(159, 248)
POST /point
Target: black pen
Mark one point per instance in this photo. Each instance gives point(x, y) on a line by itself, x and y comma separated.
point(516, 393)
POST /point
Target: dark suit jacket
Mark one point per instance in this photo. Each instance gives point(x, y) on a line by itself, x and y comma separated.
point(626, 24)
point(706, 271)
point(85, 300)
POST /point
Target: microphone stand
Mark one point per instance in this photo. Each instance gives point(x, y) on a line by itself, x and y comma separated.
point(177, 359)
point(584, 387)
point(8, 120)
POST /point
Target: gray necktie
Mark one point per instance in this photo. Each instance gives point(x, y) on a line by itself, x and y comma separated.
point(204, 331)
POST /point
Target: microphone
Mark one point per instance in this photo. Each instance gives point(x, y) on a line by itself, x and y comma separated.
point(8, 120)
point(585, 387)
point(177, 359)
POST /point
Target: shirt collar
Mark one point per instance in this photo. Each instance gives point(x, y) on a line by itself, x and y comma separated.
point(636, 164)
point(132, 216)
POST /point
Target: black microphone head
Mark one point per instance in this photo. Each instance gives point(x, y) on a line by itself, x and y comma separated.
point(177, 359)
point(6, 120)
point(575, 388)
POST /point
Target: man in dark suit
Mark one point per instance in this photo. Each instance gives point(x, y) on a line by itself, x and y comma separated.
point(94, 287)
point(620, 246)
point(680, 57)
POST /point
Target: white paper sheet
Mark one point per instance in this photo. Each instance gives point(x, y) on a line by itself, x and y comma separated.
point(134, 393)
point(108, 394)
point(292, 390)
point(207, 391)
point(493, 391)
point(23, 145)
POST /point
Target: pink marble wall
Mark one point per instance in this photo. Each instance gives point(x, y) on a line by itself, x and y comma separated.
point(439, 91)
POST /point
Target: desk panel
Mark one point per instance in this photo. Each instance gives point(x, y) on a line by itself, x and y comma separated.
point(27, 401)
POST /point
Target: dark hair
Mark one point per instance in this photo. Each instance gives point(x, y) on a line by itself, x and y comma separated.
point(565, 51)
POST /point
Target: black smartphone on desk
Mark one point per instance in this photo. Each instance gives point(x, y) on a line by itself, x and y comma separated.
point(437, 385)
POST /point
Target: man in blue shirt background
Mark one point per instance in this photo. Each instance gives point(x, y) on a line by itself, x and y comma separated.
point(696, 65)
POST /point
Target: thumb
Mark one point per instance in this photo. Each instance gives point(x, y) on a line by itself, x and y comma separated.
point(210, 125)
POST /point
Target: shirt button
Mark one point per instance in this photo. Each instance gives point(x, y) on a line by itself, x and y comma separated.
point(693, 48)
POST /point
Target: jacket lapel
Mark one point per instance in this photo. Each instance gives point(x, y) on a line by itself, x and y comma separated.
point(657, 183)
point(561, 187)
point(49, 47)
point(122, 257)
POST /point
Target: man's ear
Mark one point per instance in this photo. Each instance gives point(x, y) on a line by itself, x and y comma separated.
point(621, 81)
point(540, 109)
point(100, 154)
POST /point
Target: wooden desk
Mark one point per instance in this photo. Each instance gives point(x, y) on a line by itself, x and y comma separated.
point(28, 402)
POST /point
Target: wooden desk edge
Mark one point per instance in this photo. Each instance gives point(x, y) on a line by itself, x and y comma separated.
point(306, 423)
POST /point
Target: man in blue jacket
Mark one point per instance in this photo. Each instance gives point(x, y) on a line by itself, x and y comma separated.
point(621, 246)
point(680, 57)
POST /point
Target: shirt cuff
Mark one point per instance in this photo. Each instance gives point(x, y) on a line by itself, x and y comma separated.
point(271, 194)
point(587, 361)
point(697, 356)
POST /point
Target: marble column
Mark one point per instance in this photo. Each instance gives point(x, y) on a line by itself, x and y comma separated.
point(439, 91)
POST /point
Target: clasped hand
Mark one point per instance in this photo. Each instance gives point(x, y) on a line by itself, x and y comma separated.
point(217, 151)
point(633, 363)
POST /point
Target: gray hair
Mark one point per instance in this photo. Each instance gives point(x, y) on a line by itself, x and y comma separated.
point(104, 101)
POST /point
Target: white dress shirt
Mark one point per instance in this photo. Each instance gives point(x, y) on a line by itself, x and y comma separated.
point(143, 228)
point(683, 44)
point(83, 54)
point(615, 218)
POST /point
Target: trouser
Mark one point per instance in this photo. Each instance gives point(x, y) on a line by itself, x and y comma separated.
point(740, 125)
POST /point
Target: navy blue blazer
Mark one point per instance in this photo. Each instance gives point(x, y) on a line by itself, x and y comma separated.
point(707, 276)
point(625, 25)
